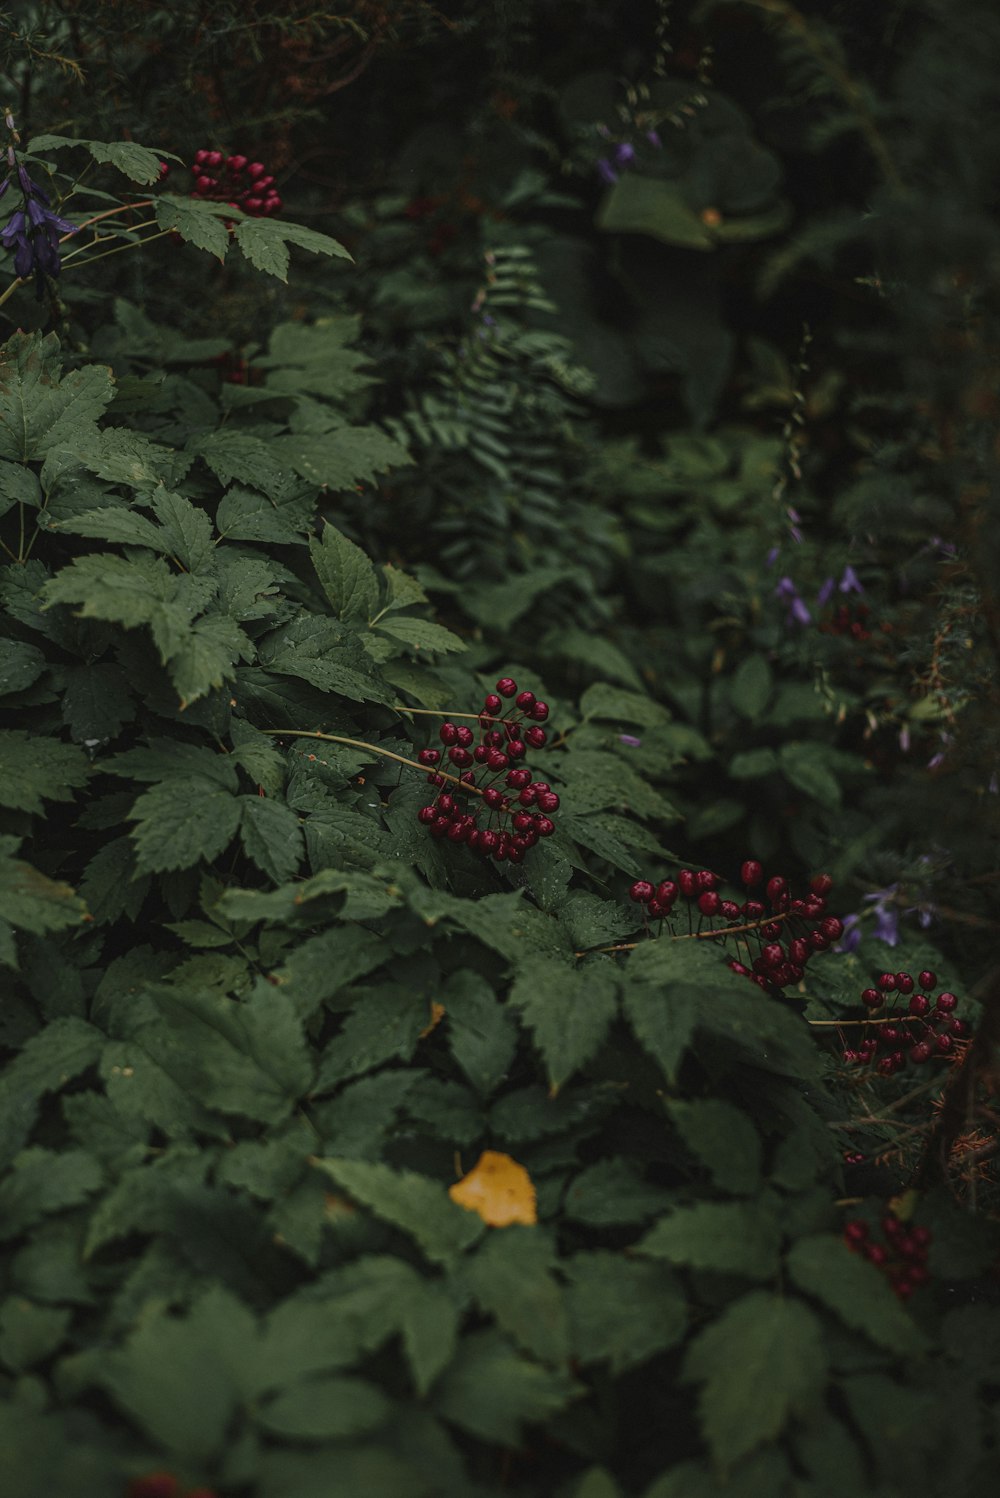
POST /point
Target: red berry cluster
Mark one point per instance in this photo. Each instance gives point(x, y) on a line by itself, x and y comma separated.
point(848, 620)
point(902, 1257)
point(235, 180)
point(164, 1485)
point(492, 776)
point(760, 923)
point(923, 1033)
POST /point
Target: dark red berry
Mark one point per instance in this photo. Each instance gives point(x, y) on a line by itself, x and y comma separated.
point(448, 733)
point(752, 909)
point(738, 967)
point(548, 801)
point(751, 872)
point(518, 779)
point(236, 163)
point(928, 979)
point(256, 169)
point(493, 703)
point(832, 927)
point(641, 892)
point(773, 954)
point(667, 892)
point(856, 1231)
point(539, 712)
point(943, 1044)
point(798, 950)
point(517, 748)
point(821, 884)
point(776, 889)
point(729, 910)
point(945, 1003)
point(536, 737)
point(429, 756)
point(876, 1254)
point(525, 701)
point(904, 983)
point(957, 1027)
point(771, 930)
point(705, 879)
point(919, 1004)
point(708, 902)
point(488, 840)
point(686, 882)
point(462, 758)
point(506, 686)
point(545, 826)
point(426, 815)
point(656, 910)
point(464, 736)
point(886, 982)
point(922, 1052)
point(817, 941)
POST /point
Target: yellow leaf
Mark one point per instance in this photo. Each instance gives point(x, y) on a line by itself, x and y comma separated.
point(437, 1015)
point(498, 1189)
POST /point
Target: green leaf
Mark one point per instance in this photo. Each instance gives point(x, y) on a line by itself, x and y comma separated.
point(244, 515)
point(232, 454)
point(18, 486)
point(622, 1312)
point(611, 1193)
point(272, 836)
point(139, 163)
point(43, 1181)
point(198, 222)
point(421, 634)
point(385, 1026)
point(805, 766)
point(482, 1034)
point(511, 1279)
point(20, 665)
point(568, 1011)
point(96, 702)
point(29, 1334)
point(114, 523)
point(35, 769)
point(414, 1203)
point(205, 657)
point(663, 1022)
point(346, 575)
point(264, 242)
point(342, 458)
point(740, 1238)
point(325, 1409)
point(181, 822)
point(760, 1362)
point(752, 764)
point(750, 687)
point(40, 411)
point(319, 967)
point(491, 1392)
point(371, 1471)
point(824, 1267)
point(650, 205)
point(724, 1139)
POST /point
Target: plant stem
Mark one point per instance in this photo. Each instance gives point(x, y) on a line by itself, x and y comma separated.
point(377, 751)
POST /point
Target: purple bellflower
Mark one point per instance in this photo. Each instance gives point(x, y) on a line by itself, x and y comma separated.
point(797, 611)
point(33, 231)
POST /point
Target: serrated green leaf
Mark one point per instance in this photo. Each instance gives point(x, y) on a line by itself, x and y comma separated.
point(384, 1026)
point(567, 1009)
point(346, 575)
point(264, 242)
point(760, 1362)
point(342, 458)
point(482, 1033)
point(740, 1238)
point(20, 665)
point(724, 1139)
point(232, 454)
point(111, 885)
point(18, 486)
point(622, 1312)
point(612, 1193)
point(38, 409)
point(321, 966)
point(139, 163)
point(325, 1409)
point(511, 1279)
point(205, 657)
point(96, 702)
point(824, 1267)
point(491, 1392)
point(804, 765)
point(35, 769)
point(197, 221)
point(421, 634)
point(43, 1181)
point(114, 523)
point(182, 822)
point(244, 515)
point(663, 1022)
point(417, 1205)
point(272, 836)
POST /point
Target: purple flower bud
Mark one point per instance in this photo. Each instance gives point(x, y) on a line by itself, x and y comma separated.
point(653, 138)
point(786, 589)
point(606, 171)
point(772, 556)
point(799, 612)
point(850, 581)
point(624, 153)
point(630, 740)
point(825, 593)
point(850, 939)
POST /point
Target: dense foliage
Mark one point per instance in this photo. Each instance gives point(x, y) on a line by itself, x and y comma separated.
point(397, 407)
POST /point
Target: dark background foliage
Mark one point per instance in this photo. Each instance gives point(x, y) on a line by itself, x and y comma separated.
point(646, 354)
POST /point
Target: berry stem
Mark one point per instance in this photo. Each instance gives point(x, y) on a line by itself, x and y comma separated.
point(377, 751)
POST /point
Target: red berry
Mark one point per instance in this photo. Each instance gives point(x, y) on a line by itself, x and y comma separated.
point(236, 163)
point(204, 184)
point(256, 169)
point(506, 686)
point(539, 712)
point(946, 1002)
point(957, 1027)
point(545, 826)
point(831, 927)
point(904, 983)
point(199, 157)
point(771, 930)
point(426, 815)
point(656, 910)
point(536, 737)
point(752, 909)
point(493, 703)
point(273, 204)
point(751, 872)
point(919, 1004)
point(875, 1253)
point(729, 910)
point(922, 1051)
point(487, 841)
point(641, 892)
point(856, 1230)
point(928, 979)
point(773, 954)
point(448, 733)
point(667, 892)
point(524, 700)
point(708, 902)
point(429, 756)
point(738, 967)
point(886, 982)
point(943, 1044)
point(821, 884)
point(214, 158)
point(517, 748)
point(518, 779)
point(462, 758)
point(686, 881)
point(548, 801)
point(776, 889)
point(464, 736)
point(263, 182)
point(817, 941)
point(705, 879)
